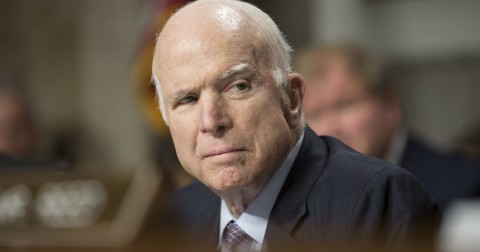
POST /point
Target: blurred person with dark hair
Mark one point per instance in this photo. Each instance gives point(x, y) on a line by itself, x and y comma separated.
point(18, 131)
point(349, 95)
point(18, 135)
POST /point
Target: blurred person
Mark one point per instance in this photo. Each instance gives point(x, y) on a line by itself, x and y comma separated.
point(468, 144)
point(17, 132)
point(349, 95)
point(233, 106)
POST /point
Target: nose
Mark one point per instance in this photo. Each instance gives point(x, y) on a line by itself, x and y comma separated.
point(214, 117)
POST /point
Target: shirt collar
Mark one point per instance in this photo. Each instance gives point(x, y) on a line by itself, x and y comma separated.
point(254, 219)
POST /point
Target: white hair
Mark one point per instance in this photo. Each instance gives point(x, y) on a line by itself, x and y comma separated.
point(278, 49)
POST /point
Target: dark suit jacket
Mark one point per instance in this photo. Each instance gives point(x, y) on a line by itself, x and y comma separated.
point(332, 195)
point(446, 178)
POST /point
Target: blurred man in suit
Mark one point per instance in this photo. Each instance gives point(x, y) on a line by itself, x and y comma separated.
point(266, 181)
point(349, 95)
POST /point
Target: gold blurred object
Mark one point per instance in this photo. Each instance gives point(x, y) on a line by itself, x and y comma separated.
point(142, 72)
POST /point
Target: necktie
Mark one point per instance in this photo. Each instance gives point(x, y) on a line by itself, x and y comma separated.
point(235, 237)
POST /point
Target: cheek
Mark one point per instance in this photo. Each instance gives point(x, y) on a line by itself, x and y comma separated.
point(270, 126)
point(184, 140)
point(257, 114)
point(263, 121)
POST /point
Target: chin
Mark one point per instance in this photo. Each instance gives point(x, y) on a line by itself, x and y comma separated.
point(229, 185)
point(229, 180)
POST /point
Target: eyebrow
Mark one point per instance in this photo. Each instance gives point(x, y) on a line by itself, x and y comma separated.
point(236, 69)
point(241, 67)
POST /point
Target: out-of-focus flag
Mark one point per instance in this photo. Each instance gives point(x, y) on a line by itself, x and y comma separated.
point(162, 146)
point(159, 14)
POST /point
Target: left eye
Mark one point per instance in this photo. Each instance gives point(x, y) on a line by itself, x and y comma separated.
point(241, 86)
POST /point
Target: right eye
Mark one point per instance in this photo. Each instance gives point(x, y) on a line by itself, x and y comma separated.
point(187, 99)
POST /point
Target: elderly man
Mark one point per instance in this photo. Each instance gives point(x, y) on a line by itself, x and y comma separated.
point(349, 95)
point(267, 182)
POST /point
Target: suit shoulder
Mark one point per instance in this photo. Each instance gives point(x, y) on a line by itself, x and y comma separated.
point(190, 194)
point(354, 175)
point(345, 159)
point(360, 188)
point(194, 188)
point(194, 205)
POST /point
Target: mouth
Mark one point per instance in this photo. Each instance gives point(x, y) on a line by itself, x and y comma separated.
point(222, 152)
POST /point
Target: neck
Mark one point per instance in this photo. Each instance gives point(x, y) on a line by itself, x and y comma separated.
point(238, 200)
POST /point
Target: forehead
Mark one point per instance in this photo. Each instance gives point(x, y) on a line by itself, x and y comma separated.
point(207, 44)
point(201, 20)
point(203, 65)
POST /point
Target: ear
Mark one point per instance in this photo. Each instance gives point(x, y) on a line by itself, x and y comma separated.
point(297, 89)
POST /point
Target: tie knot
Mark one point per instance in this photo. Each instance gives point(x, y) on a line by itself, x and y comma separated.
point(234, 236)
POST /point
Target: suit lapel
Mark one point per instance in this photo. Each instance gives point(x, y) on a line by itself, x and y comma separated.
point(291, 205)
point(202, 221)
point(211, 213)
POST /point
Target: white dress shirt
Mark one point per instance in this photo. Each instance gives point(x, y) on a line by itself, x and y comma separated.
point(254, 219)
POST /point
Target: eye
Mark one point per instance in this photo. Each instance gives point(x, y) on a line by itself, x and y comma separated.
point(187, 99)
point(241, 86)
point(239, 89)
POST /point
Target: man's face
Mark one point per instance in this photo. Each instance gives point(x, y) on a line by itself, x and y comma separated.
point(337, 104)
point(223, 110)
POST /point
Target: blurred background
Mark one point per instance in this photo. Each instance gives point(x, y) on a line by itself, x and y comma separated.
point(84, 67)
point(76, 60)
